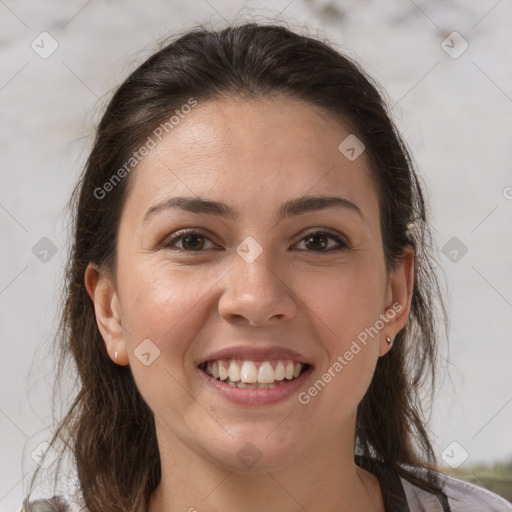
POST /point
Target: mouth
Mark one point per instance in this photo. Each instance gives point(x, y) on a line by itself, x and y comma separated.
point(247, 382)
point(246, 374)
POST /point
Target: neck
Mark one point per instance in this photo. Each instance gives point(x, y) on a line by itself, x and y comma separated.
point(326, 480)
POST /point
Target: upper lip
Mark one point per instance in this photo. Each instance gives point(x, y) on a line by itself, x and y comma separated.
point(257, 354)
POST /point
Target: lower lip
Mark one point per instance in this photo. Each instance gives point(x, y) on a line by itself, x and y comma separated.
point(245, 396)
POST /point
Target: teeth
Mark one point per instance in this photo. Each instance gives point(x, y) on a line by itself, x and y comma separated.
point(266, 373)
point(223, 373)
point(215, 370)
point(250, 374)
point(288, 372)
point(279, 371)
point(252, 386)
point(234, 372)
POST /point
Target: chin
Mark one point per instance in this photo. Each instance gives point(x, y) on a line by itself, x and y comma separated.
point(256, 452)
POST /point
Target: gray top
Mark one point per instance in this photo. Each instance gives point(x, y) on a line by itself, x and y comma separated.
point(460, 496)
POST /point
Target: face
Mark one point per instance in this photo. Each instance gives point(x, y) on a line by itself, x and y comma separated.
point(267, 279)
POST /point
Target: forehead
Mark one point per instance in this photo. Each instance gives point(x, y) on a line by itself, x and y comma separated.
point(244, 150)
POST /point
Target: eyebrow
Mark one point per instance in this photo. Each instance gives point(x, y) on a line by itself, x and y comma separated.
point(290, 208)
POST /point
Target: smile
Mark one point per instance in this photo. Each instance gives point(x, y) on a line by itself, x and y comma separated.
point(253, 374)
point(255, 382)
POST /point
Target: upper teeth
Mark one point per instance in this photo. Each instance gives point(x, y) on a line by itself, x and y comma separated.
point(249, 372)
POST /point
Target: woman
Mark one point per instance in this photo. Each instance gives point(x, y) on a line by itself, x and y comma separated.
point(250, 303)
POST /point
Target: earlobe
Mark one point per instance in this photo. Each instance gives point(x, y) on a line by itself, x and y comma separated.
point(398, 299)
point(107, 310)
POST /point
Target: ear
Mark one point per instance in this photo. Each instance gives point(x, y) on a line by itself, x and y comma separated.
point(397, 304)
point(107, 308)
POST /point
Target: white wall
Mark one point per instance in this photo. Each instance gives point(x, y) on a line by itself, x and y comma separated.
point(454, 113)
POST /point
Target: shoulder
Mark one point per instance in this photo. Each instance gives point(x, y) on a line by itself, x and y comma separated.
point(460, 497)
point(463, 494)
point(55, 504)
point(63, 502)
point(67, 498)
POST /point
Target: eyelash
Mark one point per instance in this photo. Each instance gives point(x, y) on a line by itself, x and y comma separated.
point(168, 243)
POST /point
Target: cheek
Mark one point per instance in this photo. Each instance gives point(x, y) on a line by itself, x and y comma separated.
point(167, 307)
point(345, 300)
point(346, 304)
point(163, 304)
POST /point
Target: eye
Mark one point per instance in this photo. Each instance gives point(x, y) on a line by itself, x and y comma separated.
point(191, 241)
point(318, 241)
point(194, 241)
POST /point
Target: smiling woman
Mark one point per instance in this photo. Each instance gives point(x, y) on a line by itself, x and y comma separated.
point(251, 310)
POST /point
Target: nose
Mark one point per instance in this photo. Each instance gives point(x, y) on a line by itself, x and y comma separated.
point(257, 294)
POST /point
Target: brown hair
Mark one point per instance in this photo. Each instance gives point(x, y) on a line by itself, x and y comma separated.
point(109, 428)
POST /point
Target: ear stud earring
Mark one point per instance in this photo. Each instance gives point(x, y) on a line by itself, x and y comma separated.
point(389, 340)
point(115, 354)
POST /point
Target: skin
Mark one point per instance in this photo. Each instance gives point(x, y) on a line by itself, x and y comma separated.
point(253, 156)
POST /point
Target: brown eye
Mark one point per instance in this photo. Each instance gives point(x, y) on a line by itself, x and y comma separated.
point(193, 242)
point(316, 242)
point(190, 241)
point(319, 242)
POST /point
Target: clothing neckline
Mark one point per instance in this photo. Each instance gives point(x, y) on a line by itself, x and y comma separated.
point(393, 493)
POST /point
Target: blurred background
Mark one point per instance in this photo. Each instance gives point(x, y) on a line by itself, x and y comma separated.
point(445, 66)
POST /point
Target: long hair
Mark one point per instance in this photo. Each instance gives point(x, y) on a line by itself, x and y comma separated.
point(109, 428)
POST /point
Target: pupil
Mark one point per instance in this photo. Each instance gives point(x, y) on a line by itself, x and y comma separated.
point(311, 238)
point(189, 240)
